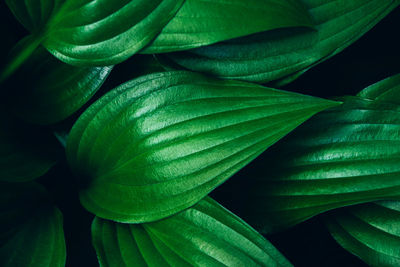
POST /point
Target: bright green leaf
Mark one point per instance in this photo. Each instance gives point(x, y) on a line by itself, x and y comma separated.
point(370, 231)
point(204, 235)
point(31, 228)
point(158, 144)
point(26, 152)
point(48, 90)
point(344, 156)
point(85, 32)
point(281, 53)
point(204, 22)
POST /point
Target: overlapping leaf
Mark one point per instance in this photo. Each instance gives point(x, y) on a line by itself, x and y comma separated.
point(26, 152)
point(204, 22)
point(47, 90)
point(94, 32)
point(31, 232)
point(158, 144)
point(370, 231)
point(206, 235)
point(285, 54)
point(343, 156)
point(387, 90)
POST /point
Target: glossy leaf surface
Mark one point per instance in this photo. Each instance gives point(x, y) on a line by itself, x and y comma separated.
point(343, 156)
point(94, 32)
point(387, 90)
point(31, 228)
point(26, 152)
point(204, 235)
point(204, 22)
point(47, 90)
point(286, 53)
point(158, 144)
point(370, 231)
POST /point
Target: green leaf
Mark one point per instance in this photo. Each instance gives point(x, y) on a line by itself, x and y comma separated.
point(26, 152)
point(370, 231)
point(344, 156)
point(387, 90)
point(281, 53)
point(204, 22)
point(158, 144)
point(31, 228)
point(85, 32)
point(47, 90)
point(206, 235)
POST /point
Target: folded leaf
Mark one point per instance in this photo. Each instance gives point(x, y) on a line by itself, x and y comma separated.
point(370, 231)
point(204, 22)
point(48, 90)
point(344, 156)
point(206, 235)
point(31, 231)
point(277, 54)
point(94, 32)
point(158, 144)
point(26, 152)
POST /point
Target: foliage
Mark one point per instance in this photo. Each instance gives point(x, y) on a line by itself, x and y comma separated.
point(153, 104)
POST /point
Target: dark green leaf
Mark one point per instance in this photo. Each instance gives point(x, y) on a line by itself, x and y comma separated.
point(204, 22)
point(48, 90)
point(85, 32)
point(158, 144)
point(204, 235)
point(343, 156)
point(31, 228)
point(26, 152)
point(370, 231)
point(387, 90)
point(281, 53)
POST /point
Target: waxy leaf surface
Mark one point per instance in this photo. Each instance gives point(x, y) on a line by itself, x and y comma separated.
point(47, 90)
point(158, 144)
point(286, 53)
point(370, 231)
point(204, 22)
point(387, 90)
point(205, 235)
point(343, 156)
point(94, 32)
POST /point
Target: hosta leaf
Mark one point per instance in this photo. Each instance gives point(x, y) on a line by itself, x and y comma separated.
point(343, 156)
point(370, 231)
point(158, 144)
point(26, 152)
point(94, 32)
point(387, 90)
point(277, 54)
point(31, 231)
point(204, 235)
point(48, 90)
point(203, 22)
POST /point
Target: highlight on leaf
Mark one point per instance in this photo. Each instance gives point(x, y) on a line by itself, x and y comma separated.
point(201, 22)
point(158, 144)
point(205, 234)
point(283, 55)
point(370, 231)
point(52, 90)
point(89, 32)
point(343, 156)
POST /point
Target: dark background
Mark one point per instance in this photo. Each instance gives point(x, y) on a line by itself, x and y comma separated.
point(372, 58)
